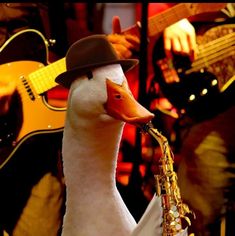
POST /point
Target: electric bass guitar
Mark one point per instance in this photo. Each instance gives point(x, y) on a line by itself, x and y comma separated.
point(207, 83)
point(24, 59)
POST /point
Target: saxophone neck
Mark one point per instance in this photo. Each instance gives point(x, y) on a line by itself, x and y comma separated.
point(161, 139)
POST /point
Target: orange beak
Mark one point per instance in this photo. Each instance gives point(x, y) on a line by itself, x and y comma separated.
point(122, 105)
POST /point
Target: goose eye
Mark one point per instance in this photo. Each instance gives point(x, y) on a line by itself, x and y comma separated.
point(89, 75)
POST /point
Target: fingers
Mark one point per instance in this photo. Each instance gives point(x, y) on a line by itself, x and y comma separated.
point(7, 88)
point(167, 47)
point(181, 39)
point(122, 52)
point(192, 45)
point(180, 44)
point(119, 39)
point(6, 91)
point(116, 25)
point(123, 44)
point(134, 41)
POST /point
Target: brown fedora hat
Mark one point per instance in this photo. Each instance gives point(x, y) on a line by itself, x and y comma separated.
point(89, 53)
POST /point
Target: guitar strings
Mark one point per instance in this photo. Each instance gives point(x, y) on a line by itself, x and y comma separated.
point(216, 43)
point(215, 58)
point(213, 51)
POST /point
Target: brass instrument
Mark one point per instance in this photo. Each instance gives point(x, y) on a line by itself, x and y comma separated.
point(174, 210)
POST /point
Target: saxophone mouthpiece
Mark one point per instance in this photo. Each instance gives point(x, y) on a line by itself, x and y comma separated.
point(147, 126)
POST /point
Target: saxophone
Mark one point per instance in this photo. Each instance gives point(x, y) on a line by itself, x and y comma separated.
point(174, 210)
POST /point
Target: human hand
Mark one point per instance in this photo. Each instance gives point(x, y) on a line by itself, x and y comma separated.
point(181, 39)
point(6, 91)
point(124, 44)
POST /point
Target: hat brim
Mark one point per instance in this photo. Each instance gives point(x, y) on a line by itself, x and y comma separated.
point(65, 79)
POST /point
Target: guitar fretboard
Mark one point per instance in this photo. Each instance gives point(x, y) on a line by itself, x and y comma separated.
point(44, 78)
point(158, 23)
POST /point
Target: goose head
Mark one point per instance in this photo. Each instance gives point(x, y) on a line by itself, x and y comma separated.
point(88, 64)
point(105, 97)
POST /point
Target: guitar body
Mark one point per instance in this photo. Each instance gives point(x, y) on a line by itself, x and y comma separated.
point(27, 44)
point(30, 115)
point(206, 84)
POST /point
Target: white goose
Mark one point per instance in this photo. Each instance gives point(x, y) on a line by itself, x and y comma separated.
point(98, 108)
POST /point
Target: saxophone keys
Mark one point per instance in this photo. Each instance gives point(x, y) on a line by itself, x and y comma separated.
point(176, 226)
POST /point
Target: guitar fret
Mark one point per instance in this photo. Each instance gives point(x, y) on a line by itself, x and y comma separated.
point(44, 78)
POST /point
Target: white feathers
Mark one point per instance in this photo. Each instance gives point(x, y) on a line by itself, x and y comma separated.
point(90, 148)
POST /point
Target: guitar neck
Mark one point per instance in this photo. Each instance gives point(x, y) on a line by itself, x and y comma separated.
point(44, 78)
point(157, 23)
point(170, 16)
